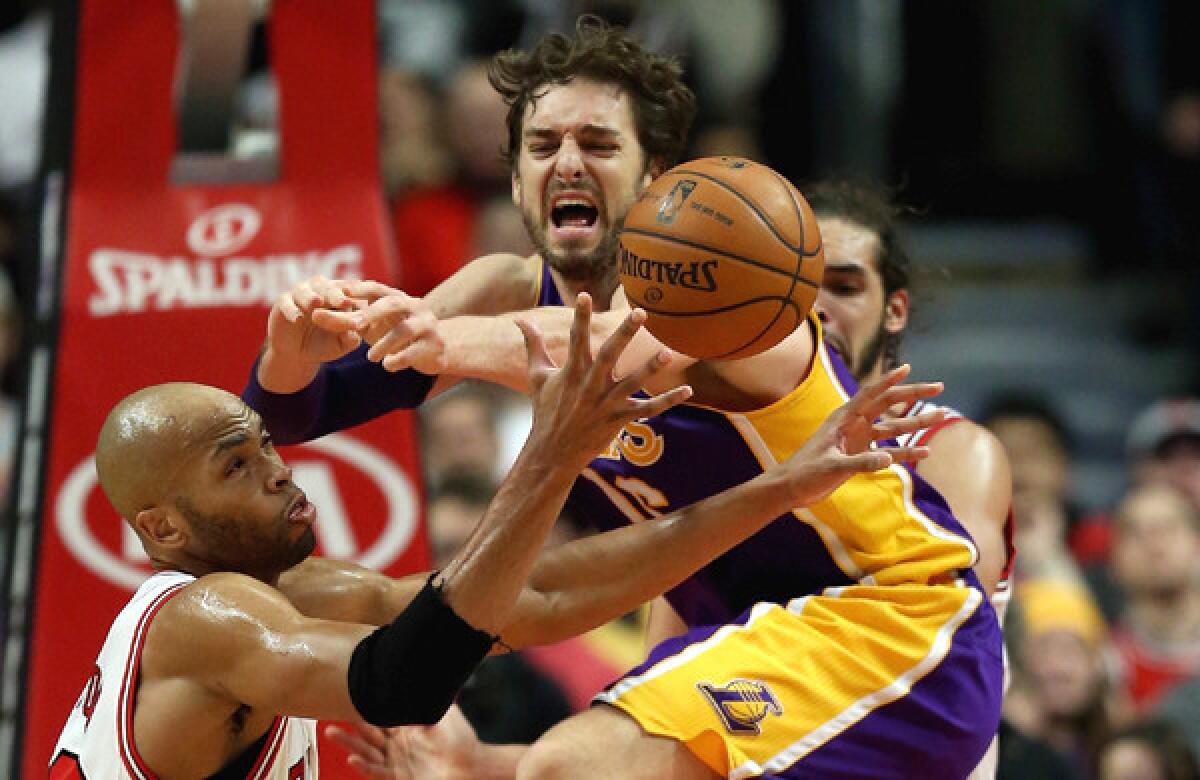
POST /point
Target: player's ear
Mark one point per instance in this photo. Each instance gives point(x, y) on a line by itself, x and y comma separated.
point(515, 179)
point(895, 312)
point(160, 527)
point(656, 168)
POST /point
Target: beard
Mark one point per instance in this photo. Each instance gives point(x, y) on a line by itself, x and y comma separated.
point(862, 363)
point(583, 266)
point(247, 546)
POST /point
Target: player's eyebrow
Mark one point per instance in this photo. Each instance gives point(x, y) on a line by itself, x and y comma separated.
point(845, 268)
point(239, 436)
point(232, 441)
point(587, 129)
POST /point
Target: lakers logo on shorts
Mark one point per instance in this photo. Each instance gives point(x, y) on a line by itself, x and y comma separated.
point(674, 201)
point(741, 704)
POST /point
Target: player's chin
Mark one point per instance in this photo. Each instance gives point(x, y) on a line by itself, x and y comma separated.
point(303, 546)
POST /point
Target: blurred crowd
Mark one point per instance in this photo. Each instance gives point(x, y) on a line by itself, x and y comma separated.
point(1104, 635)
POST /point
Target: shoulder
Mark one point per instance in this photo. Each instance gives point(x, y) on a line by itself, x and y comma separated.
point(336, 590)
point(508, 265)
point(210, 618)
point(490, 284)
point(966, 459)
point(960, 437)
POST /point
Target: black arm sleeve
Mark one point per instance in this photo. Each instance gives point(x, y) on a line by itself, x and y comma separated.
point(346, 392)
point(410, 670)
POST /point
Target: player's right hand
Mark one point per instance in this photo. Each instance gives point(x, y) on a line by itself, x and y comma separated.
point(447, 750)
point(844, 444)
point(294, 335)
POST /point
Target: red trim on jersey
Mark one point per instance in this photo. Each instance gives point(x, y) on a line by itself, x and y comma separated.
point(1010, 546)
point(134, 764)
point(270, 750)
point(66, 767)
point(928, 433)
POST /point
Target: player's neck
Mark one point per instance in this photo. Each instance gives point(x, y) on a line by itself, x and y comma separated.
point(198, 567)
point(600, 288)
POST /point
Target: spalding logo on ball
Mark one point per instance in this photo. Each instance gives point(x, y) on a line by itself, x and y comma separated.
point(724, 255)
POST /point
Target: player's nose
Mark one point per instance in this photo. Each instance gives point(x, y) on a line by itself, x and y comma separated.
point(279, 478)
point(568, 166)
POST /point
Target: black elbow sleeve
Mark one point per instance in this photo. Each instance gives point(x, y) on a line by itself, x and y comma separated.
point(410, 670)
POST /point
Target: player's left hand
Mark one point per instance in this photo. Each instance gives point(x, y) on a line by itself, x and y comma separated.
point(401, 329)
point(844, 444)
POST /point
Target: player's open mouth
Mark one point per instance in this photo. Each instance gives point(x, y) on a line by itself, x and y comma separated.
point(573, 215)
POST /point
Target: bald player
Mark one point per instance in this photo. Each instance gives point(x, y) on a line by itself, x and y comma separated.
point(221, 659)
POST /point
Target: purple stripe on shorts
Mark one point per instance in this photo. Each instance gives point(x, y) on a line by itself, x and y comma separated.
point(941, 729)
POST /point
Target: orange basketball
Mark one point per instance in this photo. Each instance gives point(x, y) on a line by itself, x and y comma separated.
point(724, 255)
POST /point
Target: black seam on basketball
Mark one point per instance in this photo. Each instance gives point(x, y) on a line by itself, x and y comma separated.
point(799, 256)
point(753, 207)
point(695, 245)
point(717, 310)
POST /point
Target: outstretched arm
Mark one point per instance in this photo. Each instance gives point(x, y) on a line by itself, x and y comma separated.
point(573, 588)
point(310, 380)
point(405, 333)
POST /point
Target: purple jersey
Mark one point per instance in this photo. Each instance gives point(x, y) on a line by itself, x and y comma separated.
point(662, 464)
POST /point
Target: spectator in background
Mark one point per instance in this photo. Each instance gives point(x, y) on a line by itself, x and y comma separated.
point(430, 218)
point(1149, 750)
point(1164, 445)
point(460, 436)
point(1039, 453)
point(506, 699)
point(1156, 560)
point(448, 185)
point(1061, 690)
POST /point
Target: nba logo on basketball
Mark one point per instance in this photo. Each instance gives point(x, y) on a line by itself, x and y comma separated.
point(742, 704)
point(671, 204)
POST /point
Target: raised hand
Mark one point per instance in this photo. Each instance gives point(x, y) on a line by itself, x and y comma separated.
point(580, 407)
point(842, 445)
point(402, 330)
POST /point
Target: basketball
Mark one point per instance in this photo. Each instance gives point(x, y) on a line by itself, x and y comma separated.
point(724, 255)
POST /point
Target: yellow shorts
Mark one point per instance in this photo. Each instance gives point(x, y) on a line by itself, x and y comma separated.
point(860, 681)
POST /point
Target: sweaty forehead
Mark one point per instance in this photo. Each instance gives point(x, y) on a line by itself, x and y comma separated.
point(218, 419)
point(580, 104)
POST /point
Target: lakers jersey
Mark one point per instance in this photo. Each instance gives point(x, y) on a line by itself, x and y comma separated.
point(1002, 595)
point(97, 742)
point(883, 528)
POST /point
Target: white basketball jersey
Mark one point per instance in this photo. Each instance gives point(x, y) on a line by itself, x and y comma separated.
point(97, 742)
